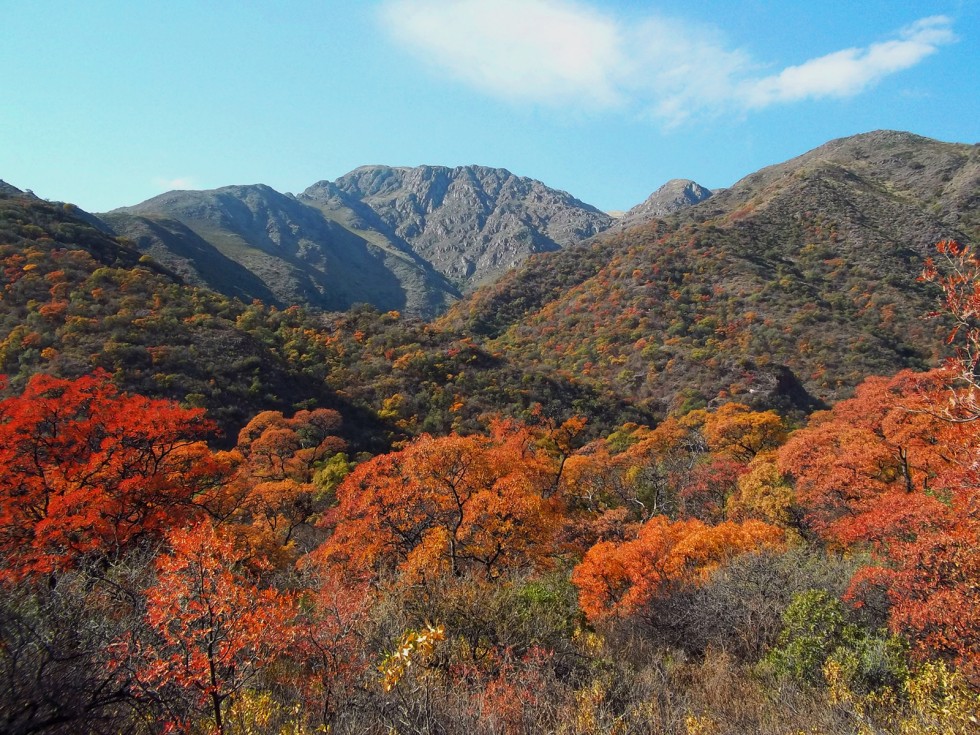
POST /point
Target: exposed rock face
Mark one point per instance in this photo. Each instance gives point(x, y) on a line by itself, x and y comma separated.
point(399, 238)
point(471, 223)
point(675, 195)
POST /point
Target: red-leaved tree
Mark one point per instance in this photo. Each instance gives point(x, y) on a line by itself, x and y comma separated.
point(88, 470)
point(212, 629)
point(894, 471)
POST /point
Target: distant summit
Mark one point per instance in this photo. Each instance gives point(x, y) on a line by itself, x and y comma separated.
point(254, 242)
point(407, 239)
point(675, 195)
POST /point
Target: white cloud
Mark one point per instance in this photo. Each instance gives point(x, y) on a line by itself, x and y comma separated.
point(547, 50)
point(181, 182)
point(851, 71)
point(566, 53)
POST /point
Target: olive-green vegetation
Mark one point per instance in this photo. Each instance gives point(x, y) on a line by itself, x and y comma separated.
point(76, 299)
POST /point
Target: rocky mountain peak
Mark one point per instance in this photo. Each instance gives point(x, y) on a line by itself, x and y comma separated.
point(471, 223)
point(675, 195)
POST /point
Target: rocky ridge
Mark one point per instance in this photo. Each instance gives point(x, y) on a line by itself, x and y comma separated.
point(408, 239)
point(472, 223)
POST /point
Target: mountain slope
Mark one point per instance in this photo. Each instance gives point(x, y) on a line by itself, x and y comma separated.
point(279, 250)
point(73, 298)
point(908, 171)
point(397, 238)
point(809, 266)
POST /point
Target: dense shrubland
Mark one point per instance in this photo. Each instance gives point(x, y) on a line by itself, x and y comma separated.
point(74, 299)
point(716, 573)
point(401, 531)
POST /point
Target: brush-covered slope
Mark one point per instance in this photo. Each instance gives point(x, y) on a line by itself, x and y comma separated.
point(253, 242)
point(73, 298)
point(472, 223)
point(804, 270)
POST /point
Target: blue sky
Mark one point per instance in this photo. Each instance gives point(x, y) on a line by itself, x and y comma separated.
point(108, 103)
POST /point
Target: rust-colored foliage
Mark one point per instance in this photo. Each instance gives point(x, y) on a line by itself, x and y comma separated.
point(214, 628)
point(272, 495)
point(869, 471)
point(448, 505)
point(328, 648)
point(959, 278)
point(619, 579)
point(85, 469)
point(706, 488)
point(890, 471)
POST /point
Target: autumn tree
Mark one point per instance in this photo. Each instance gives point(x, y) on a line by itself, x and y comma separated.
point(328, 652)
point(636, 468)
point(763, 493)
point(87, 470)
point(958, 275)
point(705, 489)
point(448, 504)
point(273, 496)
point(620, 579)
point(888, 472)
point(870, 470)
point(213, 631)
point(734, 429)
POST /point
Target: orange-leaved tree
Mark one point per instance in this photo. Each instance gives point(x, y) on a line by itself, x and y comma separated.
point(620, 579)
point(272, 497)
point(212, 629)
point(448, 505)
point(328, 654)
point(763, 493)
point(887, 472)
point(894, 471)
point(88, 470)
point(734, 429)
point(870, 471)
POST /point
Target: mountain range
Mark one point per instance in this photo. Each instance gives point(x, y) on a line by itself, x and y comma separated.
point(784, 290)
point(807, 268)
point(411, 239)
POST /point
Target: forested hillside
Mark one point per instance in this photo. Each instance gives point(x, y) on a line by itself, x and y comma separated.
point(76, 299)
point(711, 473)
point(810, 266)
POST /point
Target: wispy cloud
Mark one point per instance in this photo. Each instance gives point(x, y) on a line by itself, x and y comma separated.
point(567, 53)
point(851, 71)
point(181, 182)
